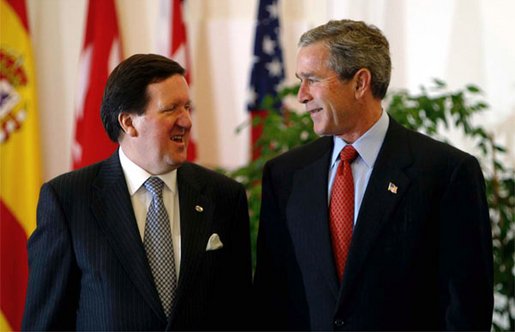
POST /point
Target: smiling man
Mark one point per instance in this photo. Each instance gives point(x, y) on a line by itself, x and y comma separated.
point(372, 226)
point(143, 240)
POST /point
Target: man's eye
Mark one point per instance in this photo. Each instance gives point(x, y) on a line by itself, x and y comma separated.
point(168, 110)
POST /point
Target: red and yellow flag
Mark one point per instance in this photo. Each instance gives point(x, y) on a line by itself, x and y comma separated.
point(20, 165)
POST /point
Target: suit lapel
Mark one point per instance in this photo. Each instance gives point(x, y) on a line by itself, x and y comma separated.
point(196, 210)
point(114, 214)
point(379, 202)
point(308, 204)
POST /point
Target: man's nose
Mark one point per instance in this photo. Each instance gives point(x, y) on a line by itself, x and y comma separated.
point(303, 95)
point(185, 119)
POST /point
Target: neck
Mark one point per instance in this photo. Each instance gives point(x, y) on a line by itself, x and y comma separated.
point(367, 118)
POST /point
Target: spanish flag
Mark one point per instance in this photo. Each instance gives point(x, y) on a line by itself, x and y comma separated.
point(20, 163)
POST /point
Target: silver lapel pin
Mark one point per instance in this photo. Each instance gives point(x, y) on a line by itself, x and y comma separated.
point(199, 208)
point(392, 188)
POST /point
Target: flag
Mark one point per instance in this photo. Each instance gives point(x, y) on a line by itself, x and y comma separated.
point(172, 42)
point(20, 160)
point(100, 54)
point(267, 69)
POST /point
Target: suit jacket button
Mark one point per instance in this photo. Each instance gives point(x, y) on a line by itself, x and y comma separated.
point(339, 322)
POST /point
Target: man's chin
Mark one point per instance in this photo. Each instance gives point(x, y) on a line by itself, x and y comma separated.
point(321, 132)
point(179, 159)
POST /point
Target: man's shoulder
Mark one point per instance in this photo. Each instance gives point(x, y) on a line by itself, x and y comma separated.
point(422, 145)
point(434, 149)
point(304, 154)
point(205, 176)
point(83, 174)
point(425, 156)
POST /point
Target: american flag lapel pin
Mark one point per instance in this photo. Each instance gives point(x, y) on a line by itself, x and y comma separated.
point(392, 188)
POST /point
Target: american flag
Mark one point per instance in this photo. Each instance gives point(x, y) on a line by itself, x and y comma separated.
point(267, 69)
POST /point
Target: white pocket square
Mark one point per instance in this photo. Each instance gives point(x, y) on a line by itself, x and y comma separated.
point(214, 242)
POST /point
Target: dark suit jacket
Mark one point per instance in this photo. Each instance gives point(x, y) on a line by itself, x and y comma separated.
point(89, 271)
point(420, 259)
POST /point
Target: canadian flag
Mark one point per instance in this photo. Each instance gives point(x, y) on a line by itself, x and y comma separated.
point(172, 42)
point(101, 53)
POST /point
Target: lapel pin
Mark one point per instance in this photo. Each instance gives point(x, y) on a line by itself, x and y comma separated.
point(199, 208)
point(392, 188)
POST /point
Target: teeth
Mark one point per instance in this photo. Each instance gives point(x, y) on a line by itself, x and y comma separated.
point(177, 138)
point(316, 110)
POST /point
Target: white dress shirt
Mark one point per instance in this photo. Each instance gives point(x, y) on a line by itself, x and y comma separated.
point(135, 176)
point(368, 146)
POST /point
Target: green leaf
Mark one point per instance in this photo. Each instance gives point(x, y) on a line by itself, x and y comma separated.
point(473, 88)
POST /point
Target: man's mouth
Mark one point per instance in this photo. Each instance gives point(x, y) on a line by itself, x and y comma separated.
point(315, 110)
point(178, 138)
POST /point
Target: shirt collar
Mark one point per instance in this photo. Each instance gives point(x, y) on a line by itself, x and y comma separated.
point(368, 145)
point(135, 176)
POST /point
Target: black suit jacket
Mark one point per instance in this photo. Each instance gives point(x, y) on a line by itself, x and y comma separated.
point(89, 271)
point(420, 258)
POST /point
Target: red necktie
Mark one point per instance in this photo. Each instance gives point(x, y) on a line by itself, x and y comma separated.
point(341, 209)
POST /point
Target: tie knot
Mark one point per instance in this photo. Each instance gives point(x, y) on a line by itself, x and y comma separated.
point(154, 185)
point(348, 153)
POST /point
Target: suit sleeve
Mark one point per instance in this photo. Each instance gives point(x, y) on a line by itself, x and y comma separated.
point(269, 289)
point(53, 285)
point(466, 262)
point(242, 274)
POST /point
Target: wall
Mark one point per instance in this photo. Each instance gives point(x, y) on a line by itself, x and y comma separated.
point(459, 41)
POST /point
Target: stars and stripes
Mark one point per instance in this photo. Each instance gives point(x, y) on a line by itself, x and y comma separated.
point(267, 69)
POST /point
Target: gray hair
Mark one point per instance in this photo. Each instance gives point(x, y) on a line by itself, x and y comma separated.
point(354, 45)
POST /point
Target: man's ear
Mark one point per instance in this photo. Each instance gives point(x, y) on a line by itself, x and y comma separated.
point(126, 122)
point(363, 78)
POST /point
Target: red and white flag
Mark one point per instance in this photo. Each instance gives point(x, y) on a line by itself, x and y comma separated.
point(172, 42)
point(101, 53)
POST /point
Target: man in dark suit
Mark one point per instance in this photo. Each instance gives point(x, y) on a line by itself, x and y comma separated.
point(417, 253)
point(96, 261)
